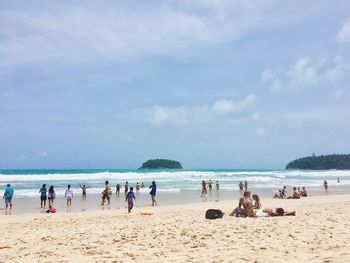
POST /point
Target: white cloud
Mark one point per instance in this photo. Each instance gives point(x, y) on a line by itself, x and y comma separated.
point(261, 131)
point(94, 31)
point(305, 72)
point(343, 35)
point(160, 115)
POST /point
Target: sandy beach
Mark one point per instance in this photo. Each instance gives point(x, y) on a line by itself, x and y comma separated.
point(318, 233)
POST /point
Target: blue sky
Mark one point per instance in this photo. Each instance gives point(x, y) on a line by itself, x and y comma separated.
point(213, 84)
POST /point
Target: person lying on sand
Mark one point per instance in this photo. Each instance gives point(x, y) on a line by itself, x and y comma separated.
point(245, 206)
point(279, 212)
point(296, 194)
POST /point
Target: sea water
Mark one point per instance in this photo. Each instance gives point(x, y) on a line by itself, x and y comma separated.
point(28, 182)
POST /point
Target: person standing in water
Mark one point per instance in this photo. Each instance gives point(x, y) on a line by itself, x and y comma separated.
point(325, 184)
point(117, 189)
point(8, 195)
point(137, 186)
point(338, 180)
point(153, 193)
point(51, 195)
point(69, 196)
point(43, 196)
point(246, 185)
point(204, 188)
point(126, 188)
point(210, 185)
point(130, 197)
point(83, 190)
point(106, 194)
point(217, 186)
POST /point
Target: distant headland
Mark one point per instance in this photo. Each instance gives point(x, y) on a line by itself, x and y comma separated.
point(161, 164)
point(322, 162)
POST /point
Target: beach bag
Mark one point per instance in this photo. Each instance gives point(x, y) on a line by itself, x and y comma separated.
point(213, 214)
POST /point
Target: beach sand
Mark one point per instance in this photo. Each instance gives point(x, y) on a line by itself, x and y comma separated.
point(320, 232)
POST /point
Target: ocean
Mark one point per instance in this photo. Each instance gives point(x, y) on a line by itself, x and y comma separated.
point(28, 182)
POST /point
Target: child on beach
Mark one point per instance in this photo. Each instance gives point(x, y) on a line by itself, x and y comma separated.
point(51, 195)
point(69, 195)
point(257, 203)
point(43, 196)
point(130, 197)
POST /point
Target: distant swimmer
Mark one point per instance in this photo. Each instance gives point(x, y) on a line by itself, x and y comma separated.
point(137, 186)
point(325, 184)
point(338, 180)
point(210, 185)
point(43, 196)
point(142, 185)
point(153, 193)
point(217, 186)
point(69, 196)
point(204, 188)
point(117, 189)
point(83, 190)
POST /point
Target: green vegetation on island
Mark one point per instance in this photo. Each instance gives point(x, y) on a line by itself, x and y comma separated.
point(322, 162)
point(161, 164)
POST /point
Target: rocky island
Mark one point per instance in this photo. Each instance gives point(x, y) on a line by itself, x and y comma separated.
point(322, 162)
point(161, 164)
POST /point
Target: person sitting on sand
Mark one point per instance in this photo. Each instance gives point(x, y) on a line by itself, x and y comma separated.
point(51, 210)
point(257, 203)
point(83, 190)
point(296, 194)
point(278, 195)
point(303, 192)
point(130, 197)
point(245, 206)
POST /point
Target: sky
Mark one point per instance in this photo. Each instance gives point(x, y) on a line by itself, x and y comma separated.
point(212, 84)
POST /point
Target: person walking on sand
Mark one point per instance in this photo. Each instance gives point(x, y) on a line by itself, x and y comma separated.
point(130, 197)
point(106, 194)
point(153, 193)
point(204, 188)
point(51, 195)
point(43, 196)
point(217, 186)
point(325, 184)
point(69, 196)
point(83, 190)
point(8, 195)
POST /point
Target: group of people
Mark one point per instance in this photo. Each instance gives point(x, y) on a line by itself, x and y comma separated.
point(209, 186)
point(250, 206)
point(49, 194)
point(297, 193)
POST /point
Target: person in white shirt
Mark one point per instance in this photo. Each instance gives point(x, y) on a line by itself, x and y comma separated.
point(69, 195)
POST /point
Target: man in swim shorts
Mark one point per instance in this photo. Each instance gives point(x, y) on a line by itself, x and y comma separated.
point(8, 196)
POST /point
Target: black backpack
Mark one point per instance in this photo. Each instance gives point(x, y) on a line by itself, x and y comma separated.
point(213, 214)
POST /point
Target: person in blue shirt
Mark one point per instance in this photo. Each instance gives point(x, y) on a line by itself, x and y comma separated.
point(153, 192)
point(43, 196)
point(130, 197)
point(8, 196)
